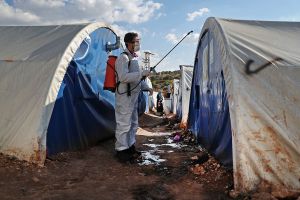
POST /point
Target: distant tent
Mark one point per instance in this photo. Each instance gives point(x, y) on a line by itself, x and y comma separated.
point(245, 99)
point(154, 95)
point(51, 96)
point(175, 95)
point(167, 103)
point(182, 109)
point(147, 96)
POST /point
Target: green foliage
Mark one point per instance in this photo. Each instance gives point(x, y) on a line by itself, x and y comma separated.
point(162, 79)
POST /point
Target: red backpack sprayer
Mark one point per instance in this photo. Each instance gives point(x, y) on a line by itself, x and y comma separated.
point(111, 75)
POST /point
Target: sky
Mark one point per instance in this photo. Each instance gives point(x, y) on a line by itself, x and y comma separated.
point(160, 23)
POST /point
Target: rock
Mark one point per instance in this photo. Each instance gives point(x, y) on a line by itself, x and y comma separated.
point(194, 158)
point(233, 194)
point(35, 179)
point(142, 174)
point(198, 169)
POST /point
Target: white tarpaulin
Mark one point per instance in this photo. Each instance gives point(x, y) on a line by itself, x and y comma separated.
point(167, 105)
point(186, 76)
point(175, 95)
point(33, 62)
point(261, 65)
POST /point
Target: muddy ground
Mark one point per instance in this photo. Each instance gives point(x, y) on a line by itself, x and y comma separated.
point(172, 171)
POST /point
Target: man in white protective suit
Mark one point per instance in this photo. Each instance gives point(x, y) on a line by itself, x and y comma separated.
point(129, 84)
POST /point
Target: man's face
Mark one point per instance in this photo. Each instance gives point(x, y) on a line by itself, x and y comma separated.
point(132, 44)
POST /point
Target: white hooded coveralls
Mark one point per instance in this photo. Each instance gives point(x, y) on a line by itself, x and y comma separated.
point(126, 106)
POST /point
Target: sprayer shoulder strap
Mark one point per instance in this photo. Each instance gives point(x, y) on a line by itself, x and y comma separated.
point(126, 53)
point(128, 84)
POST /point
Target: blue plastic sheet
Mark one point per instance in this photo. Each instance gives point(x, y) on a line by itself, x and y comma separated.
point(146, 96)
point(83, 113)
point(209, 117)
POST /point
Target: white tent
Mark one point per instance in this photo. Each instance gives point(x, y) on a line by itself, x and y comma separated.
point(259, 62)
point(175, 95)
point(33, 64)
point(182, 109)
point(149, 98)
point(167, 103)
point(154, 96)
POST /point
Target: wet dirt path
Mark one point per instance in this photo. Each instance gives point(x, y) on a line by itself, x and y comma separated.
point(169, 172)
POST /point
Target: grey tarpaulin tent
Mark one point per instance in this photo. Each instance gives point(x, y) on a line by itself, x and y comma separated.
point(252, 68)
point(51, 89)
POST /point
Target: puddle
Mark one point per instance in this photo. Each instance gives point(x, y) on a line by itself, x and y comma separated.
point(173, 145)
point(152, 145)
point(169, 141)
point(151, 159)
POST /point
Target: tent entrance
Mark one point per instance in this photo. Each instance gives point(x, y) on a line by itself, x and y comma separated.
point(209, 117)
point(83, 112)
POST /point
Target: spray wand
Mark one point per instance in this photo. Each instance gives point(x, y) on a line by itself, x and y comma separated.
point(153, 68)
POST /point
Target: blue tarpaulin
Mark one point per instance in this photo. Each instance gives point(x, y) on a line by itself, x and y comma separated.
point(142, 103)
point(209, 117)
